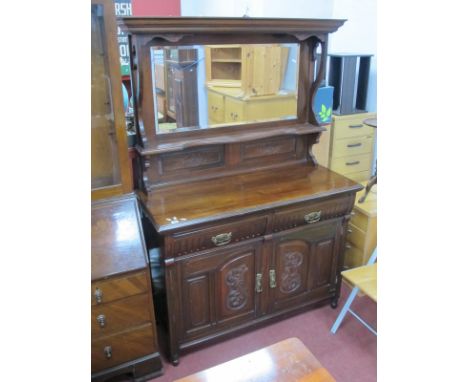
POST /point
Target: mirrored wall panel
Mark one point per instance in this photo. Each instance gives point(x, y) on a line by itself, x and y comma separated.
point(201, 87)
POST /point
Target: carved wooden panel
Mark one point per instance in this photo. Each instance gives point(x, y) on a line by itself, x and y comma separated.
point(189, 160)
point(292, 217)
point(302, 260)
point(205, 238)
point(268, 147)
point(323, 262)
point(218, 288)
point(271, 150)
point(235, 282)
point(292, 262)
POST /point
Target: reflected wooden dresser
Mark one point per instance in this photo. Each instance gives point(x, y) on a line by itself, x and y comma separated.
point(123, 329)
point(248, 227)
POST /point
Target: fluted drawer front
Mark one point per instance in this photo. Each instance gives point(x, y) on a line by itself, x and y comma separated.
point(119, 315)
point(218, 236)
point(308, 213)
point(123, 347)
point(115, 288)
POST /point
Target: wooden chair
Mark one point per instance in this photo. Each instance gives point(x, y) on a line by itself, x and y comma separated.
point(364, 279)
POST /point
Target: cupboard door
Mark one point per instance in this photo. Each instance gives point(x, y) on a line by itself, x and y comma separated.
point(218, 289)
point(303, 264)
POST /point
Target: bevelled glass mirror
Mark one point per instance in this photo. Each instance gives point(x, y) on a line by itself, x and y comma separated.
point(206, 86)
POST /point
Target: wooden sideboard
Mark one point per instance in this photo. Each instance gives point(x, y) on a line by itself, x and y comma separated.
point(123, 330)
point(247, 226)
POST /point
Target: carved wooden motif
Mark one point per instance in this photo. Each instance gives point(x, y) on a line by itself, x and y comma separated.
point(237, 294)
point(291, 278)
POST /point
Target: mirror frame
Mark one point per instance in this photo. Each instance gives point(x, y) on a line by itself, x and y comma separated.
point(145, 33)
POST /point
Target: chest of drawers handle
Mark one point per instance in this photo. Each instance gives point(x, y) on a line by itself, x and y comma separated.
point(355, 126)
point(222, 239)
point(108, 352)
point(101, 319)
point(355, 144)
point(312, 217)
point(98, 295)
point(353, 163)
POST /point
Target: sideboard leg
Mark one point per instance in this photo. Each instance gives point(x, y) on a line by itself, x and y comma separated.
point(334, 302)
point(175, 359)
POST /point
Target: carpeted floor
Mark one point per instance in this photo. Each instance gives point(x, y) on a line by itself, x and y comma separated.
point(350, 355)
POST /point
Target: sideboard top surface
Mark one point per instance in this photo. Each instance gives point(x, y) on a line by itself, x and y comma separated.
point(116, 239)
point(187, 204)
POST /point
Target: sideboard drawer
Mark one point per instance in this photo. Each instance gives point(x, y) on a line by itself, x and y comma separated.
point(311, 212)
point(351, 164)
point(352, 146)
point(114, 350)
point(118, 287)
point(218, 236)
point(125, 313)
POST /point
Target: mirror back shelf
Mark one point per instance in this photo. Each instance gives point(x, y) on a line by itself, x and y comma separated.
point(217, 96)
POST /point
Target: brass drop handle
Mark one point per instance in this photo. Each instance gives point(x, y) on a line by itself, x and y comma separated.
point(258, 283)
point(108, 352)
point(355, 144)
point(312, 217)
point(98, 295)
point(101, 319)
point(222, 239)
point(272, 278)
point(234, 116)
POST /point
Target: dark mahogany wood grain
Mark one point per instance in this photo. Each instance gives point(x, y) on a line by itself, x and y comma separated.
point(118, 287)
point(116, 239)
point(125, 346)
point(232, 207)
point(204, 201)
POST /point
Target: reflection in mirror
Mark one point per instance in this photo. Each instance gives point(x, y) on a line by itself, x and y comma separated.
point(199, 87)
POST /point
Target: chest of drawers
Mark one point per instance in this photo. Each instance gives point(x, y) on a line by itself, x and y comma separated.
point(123, 330)
point(362, 230)
point(352, 146)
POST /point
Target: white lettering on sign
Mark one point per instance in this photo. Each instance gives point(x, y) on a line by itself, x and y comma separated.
point(122, 9)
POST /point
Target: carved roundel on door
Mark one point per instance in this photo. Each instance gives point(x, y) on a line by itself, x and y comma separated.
point(291, 278)
point(237, 294)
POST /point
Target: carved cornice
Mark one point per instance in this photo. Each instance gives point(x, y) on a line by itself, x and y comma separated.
point(300, 28)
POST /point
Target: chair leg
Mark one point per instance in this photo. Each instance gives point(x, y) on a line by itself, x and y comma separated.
point(344, 310)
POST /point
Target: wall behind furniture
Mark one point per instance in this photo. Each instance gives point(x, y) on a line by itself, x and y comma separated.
point(359, 33)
